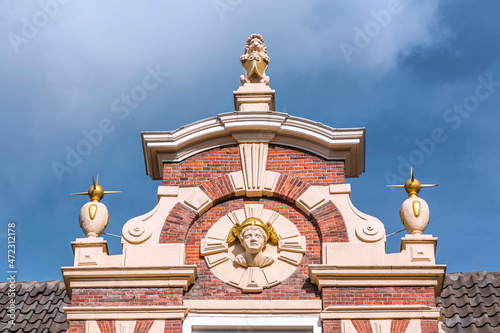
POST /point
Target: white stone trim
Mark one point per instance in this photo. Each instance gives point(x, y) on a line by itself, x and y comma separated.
point(128, 277)
point(253, 164)
point(245, 321)
point(229, 128)
point(254, 306)
point(124, 312)
point(378, 276)
point(381, 312)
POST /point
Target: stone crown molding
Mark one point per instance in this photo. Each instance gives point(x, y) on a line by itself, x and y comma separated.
point(125, 312)
point(378, 276)
point(255, 126)
point(253, 306)
point(127, 277)
point(369, 312)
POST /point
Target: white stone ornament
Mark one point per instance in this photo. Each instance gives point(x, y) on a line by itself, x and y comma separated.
point(415, 215)
point(414, 212)
point(253, 248)
point(94, 215)
point(93, 218)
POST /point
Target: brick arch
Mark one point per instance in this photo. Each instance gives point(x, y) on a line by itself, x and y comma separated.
point(326, 218)
point(296, 286)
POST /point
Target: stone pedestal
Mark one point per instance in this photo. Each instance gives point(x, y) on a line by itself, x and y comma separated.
point(254, 97)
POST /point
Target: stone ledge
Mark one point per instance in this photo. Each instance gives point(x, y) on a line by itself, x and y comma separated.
point(381, 312)
point(125, 312)
point(378, 276)
point(127, 277)
point(253, 306)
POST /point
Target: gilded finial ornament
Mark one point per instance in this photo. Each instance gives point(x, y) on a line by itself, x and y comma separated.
point(414, 212)
point(96, 192)
point(413, 186)
point(94, 215)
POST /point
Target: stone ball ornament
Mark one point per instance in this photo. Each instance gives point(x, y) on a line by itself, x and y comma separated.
point(414, 212)
point(94, 216)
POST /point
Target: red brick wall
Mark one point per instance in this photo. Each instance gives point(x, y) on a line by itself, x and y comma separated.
point(332, 326)
point(143, 326)
point(290, 188)
point(177, 223)
point(126, 296)
point(331, 223)
point(362, 326)
point(306, 166)
point(429, 326)
point(76, 326)
point(173, 326)
point(107, 326)
point(195, 170)
point(297, 286)
point(399, 325)
point(218, 189)
point(337, 296)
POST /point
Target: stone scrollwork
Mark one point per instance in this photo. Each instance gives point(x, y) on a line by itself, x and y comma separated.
point(370, 231)
point(137, 231)
point(253, 248)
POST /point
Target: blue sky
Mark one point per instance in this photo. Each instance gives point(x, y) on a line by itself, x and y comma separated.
point(422, 77)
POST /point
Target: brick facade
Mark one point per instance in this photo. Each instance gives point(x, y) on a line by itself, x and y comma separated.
point(126, 296)
point(298, 171)
point(76, 326)
point(217, 162)
point(195, 170)
point(399, 325)
point(308, 167)
point(297, 286)
point(337, 296)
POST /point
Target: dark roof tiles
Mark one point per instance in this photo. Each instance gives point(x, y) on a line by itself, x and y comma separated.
point(39, 307)
point(471, 302)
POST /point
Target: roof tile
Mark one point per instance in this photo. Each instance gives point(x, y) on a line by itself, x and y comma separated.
point(471, 302)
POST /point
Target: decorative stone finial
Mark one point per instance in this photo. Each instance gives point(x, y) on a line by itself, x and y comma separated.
point(94, 215)
point(254, 94)
point(414, 212)
point(255, 61)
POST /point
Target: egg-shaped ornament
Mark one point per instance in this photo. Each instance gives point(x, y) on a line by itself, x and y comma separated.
point(94, 215)
point(415, 215)
point(93, 218)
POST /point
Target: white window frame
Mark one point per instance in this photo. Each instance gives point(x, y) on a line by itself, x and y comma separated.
point(240, 323)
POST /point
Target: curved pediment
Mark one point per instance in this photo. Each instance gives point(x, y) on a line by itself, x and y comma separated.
point(347, 145)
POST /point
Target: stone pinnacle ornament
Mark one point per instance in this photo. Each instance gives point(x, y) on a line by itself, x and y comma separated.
point(94, 215)
point(414, 212)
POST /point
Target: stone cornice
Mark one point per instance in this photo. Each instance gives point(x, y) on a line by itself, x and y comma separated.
point(124, 312)
point(253, 306)
point(271, 127)
point(381, 312)
point(127, 277)
point(378, 276)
